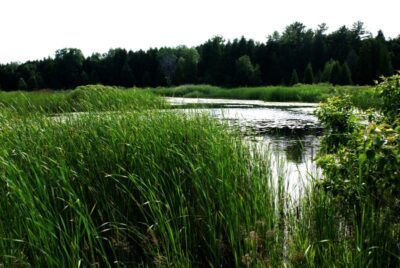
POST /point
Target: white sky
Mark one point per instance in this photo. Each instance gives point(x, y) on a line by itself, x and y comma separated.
point(34, 29)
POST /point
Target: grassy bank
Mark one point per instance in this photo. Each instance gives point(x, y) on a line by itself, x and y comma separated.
point(81, 99)
point(362, 96)
point(106, 98)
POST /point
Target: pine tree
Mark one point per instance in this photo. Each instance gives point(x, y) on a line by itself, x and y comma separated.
point(366, 63)
point(22, 84)
point(336, 74)
point(326, 73)
point(294, 78)
point(308, 75)
point(346, 75)
point(127, 79)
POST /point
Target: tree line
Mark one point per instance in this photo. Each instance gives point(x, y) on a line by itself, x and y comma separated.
point(297, 55)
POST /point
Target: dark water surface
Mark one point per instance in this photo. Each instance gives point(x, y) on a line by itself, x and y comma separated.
point(289, 130)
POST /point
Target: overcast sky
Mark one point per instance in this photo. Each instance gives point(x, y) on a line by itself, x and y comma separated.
point(34, 29)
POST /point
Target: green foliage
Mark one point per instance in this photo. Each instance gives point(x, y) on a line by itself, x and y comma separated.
point(361, 166)
point(362, 161)
point(186, 65)
point(337, 116)
point(68, 67)
point(389, 91)
point(246, 73)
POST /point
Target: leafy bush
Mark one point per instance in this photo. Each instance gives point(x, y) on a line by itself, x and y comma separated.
point(361, 163)
point(389, 91)
point(338, 118)
point(360, 158)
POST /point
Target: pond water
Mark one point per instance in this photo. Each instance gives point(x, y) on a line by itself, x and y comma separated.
point(290, 131)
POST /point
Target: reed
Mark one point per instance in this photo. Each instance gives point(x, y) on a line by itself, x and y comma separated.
point(142, 187)
point(82, 99)
point(132, 188)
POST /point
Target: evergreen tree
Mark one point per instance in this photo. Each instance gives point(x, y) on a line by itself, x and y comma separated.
point(326, 73)
point(346, 75)
point(127, 79)
point(94, 77)
point(33, 82)
point(211, 65)
point(317, 77)
point(366, 63)
point(167, 63)
point(360, 59)
point(22, 84)
point(294, 78)
point(179, 74)
point(394, 50)
point(352, 63)
point(336, 74)
point(308, 75)
point(146, 80)
point(84, 78)
point(68, 67)
point(383, 61)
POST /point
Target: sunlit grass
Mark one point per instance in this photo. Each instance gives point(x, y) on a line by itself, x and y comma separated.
point(81, 99)
point(132, 188)
point(150, 188)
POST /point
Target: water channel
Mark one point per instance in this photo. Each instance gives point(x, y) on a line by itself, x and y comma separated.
point(290, 131)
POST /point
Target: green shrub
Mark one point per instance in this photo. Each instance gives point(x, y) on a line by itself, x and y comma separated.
point(338, 119)
point(389, 91)
point(361, 166)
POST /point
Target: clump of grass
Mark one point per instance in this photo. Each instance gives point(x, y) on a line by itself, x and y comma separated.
point(81, 99)
point(107, 98)
point(150, 188)
point(32, 102)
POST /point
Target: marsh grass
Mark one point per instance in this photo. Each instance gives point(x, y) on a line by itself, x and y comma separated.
point(81, 99)
point(151, 188)
point(163, 189)
point(363, 96)
point(323, 233)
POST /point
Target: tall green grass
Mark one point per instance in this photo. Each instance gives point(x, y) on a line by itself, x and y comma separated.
point(155, 188)
point(363, 96)
point(323, 232)
point(81, 99)
point(150, 188)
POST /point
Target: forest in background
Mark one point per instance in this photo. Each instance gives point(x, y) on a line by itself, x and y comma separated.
point(297, 55)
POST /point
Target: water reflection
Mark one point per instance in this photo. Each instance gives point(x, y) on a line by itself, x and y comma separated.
point(295, 151)
point(290, 131)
